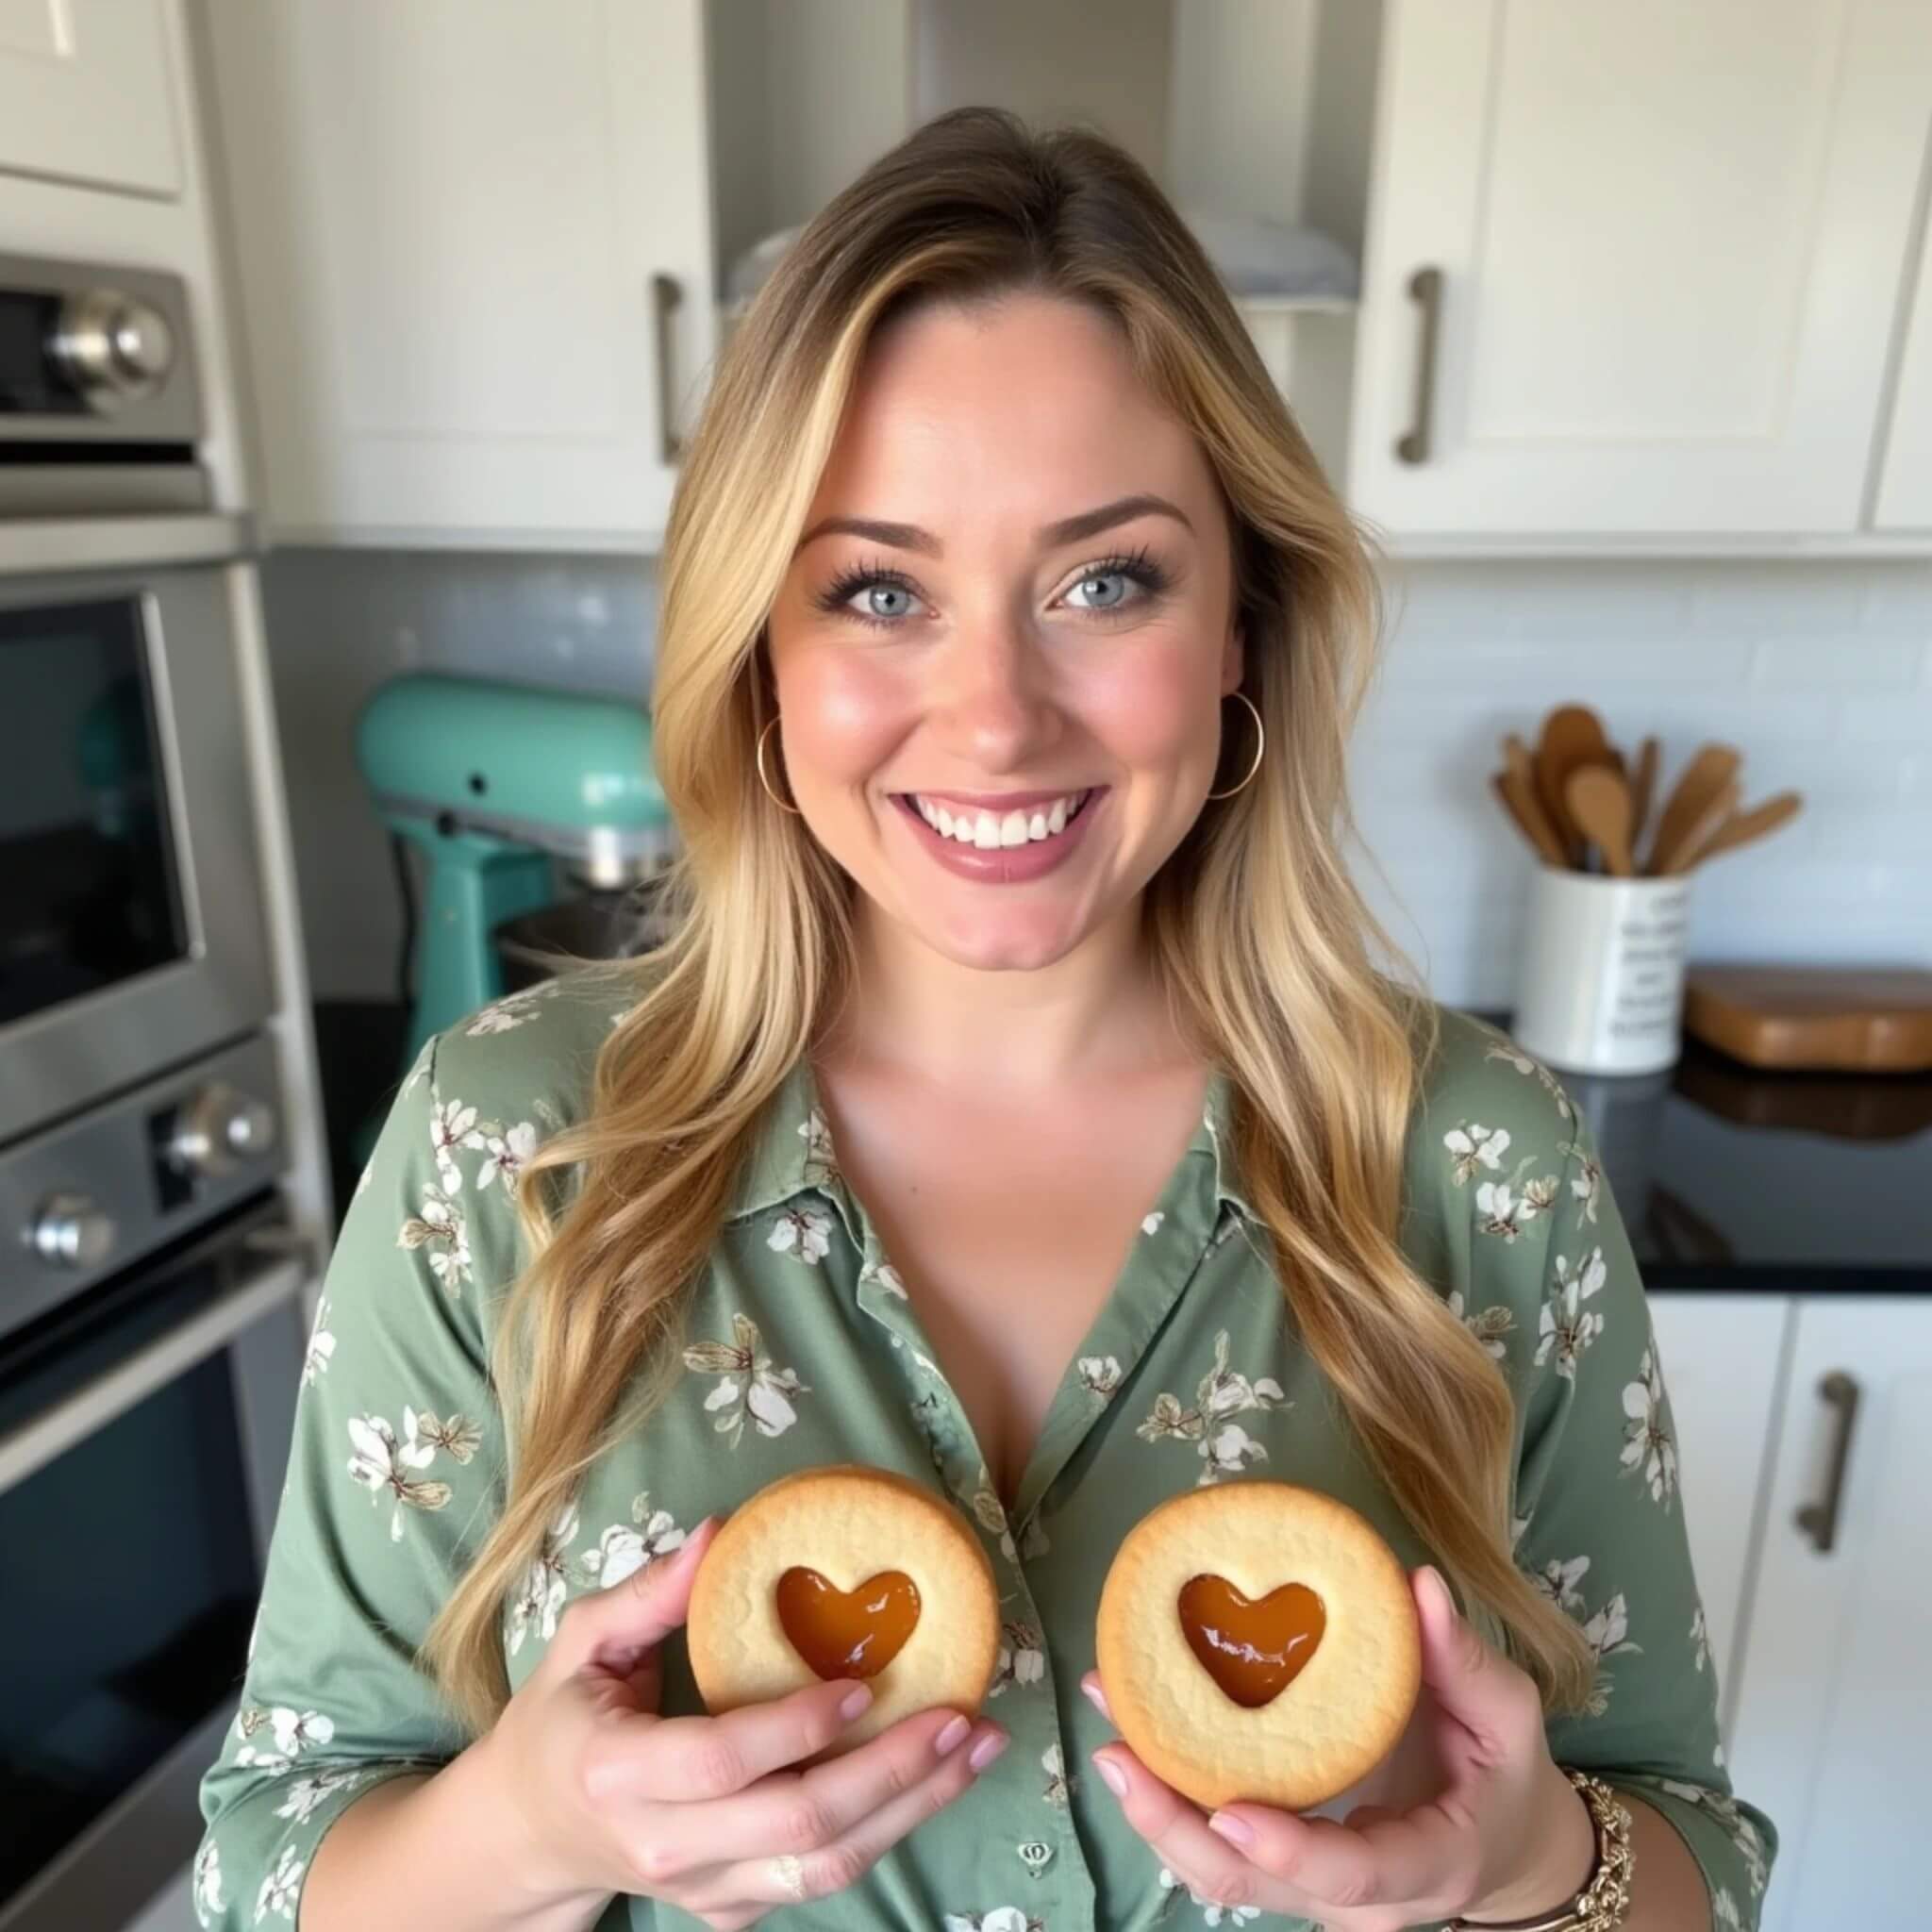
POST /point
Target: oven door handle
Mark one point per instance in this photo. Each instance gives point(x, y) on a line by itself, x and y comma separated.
point(115, 1390)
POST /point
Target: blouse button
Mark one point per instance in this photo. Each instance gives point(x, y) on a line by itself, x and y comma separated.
point(1036, 1854)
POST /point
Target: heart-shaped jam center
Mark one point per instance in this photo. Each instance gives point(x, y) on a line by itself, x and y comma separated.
point(847, 1633)
point(1253, 1649)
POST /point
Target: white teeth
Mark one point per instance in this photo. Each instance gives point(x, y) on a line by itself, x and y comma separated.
point(988, 832)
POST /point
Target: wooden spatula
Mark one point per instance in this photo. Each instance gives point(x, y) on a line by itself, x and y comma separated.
point(1742, 827)
point(1642, 785)
point(1518, 799)
point(1688, 805)
point(1690, 848)
point(1572, 735)
point(1599, 801)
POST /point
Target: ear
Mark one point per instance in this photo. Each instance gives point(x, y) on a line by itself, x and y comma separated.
point(1233, 661)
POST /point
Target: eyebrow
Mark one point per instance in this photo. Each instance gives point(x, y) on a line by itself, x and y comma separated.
point(1089, 523)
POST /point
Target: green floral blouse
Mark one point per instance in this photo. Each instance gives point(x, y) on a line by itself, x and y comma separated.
point(802, 1347)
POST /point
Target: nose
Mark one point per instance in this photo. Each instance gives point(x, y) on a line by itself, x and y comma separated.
point(993, 705)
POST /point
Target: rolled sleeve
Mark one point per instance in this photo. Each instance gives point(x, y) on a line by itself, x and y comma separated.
point(393, 1480)
point(1600, 1525)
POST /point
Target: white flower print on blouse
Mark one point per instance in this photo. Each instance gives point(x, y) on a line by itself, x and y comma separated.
point(1100, 1374)
point(1474, 1146)
point(1647, 1443)
point(1489, 1326)
point(1557, 1580)
point(1608, 1633)
point(751, 1384)
point(322, 1347)
point(207, 1882)
point(440, 1227)
point(291, 1731)
point(990, 1514)
point(307, 1794)
point(508, 1151)
point(1508, 1050)
point(506, 1014)
point(821, 1162)
point(1724, 1913)
point(1152, 1223)
point(541, 1597)
point(1211, 1914)
point(382, 1463)
point(1001, 1919)
point(623, 1549)
point(452, 1125)
point(1587, 1185)
point(1742, 1833)
point(1565, 1327)
point(1224, 1445)
point(806, 1232)
point(887, 1277)
point(1058, 1785)
point(1022, 1659)
point(281, 1887)
point(1503, 1212)
point(1700, 1638)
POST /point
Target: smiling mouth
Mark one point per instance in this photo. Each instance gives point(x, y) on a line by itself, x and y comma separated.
point(984, 830)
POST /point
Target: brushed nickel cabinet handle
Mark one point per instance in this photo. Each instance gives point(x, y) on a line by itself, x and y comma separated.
point(1425, 290)
point(1819, 1521)
point(665, 297)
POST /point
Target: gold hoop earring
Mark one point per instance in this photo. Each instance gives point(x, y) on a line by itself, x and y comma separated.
point(1260, 745)
point(765, 781)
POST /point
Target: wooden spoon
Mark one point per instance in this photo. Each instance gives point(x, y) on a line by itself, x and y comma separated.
point(1743, 826)
point(1689, 804)
point(1572, 735)
point(1599, 801)
point(1690, 848)
point(1642, 785)
point(1519, 799)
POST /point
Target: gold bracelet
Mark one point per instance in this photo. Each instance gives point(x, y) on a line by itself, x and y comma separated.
point(1605, 1900)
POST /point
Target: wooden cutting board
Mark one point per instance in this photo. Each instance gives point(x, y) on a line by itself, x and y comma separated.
point(1867, 1019)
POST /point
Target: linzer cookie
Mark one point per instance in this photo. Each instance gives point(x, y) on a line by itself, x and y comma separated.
point(1257, 1641)
point(845, 1572)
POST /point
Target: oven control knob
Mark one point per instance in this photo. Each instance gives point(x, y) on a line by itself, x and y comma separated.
point(116, 348)
point(69, 1231)
point(220, 1128)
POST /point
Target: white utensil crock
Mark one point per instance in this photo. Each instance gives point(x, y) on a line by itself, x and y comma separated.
point(1601, 986)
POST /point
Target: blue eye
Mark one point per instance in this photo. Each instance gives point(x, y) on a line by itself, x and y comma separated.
point(835, 598)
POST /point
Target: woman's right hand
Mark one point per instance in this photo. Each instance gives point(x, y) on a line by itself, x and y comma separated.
point(704, 1813)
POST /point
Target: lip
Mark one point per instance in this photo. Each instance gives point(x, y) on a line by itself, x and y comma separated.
point(1003, 865)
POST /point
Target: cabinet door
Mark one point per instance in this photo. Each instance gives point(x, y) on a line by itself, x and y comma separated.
point(1836, 1703)
point(84, 93)
point(1723, 1357)
point(449, 217)
point(1905, 483)
point(1670, 242)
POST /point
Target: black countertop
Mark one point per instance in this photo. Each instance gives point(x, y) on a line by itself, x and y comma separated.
point(1729, 1177)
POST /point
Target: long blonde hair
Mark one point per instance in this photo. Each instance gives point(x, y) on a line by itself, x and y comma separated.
point(1261, 940)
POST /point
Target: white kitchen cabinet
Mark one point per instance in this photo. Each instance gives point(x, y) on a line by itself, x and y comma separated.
point(1834, 1702)
point(473, 244)
point(1634, 266)
point(85, 94)
point(1904, 478)
point(1722, 1358)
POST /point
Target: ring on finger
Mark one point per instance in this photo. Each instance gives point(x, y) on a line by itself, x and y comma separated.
point(788, 1874)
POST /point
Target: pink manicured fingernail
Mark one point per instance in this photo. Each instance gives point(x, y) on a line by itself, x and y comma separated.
point(953, 1735)
point(1097, 1698)
point(988, 1749)
point(1232, 1829)
point(1116, 1778)
point(855, 1701)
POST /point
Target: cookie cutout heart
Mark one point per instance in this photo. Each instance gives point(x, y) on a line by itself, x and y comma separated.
point(847, 1633)
point(1253, 1649)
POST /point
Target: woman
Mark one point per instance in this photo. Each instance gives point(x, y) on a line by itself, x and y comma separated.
point(1017, 1109)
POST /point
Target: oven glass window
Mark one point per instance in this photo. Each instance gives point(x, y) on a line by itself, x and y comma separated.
point(88, 889)
point(128, 1579)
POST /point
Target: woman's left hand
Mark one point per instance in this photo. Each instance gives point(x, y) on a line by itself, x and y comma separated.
point(1506, 1836)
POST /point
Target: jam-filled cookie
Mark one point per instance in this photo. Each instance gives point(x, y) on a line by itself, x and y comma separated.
point(845, 1572)
point(1257, 1641)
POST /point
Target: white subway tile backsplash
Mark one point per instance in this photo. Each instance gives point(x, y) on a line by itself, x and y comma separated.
point(1821, 673)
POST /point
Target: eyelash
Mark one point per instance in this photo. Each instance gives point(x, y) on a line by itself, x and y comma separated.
point(1138, 564)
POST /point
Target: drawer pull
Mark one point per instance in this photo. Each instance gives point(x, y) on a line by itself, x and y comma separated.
point(1425, 289)
point(665, 297)
point(1819, 1521)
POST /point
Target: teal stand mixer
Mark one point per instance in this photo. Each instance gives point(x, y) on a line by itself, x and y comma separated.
point(499, 787)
